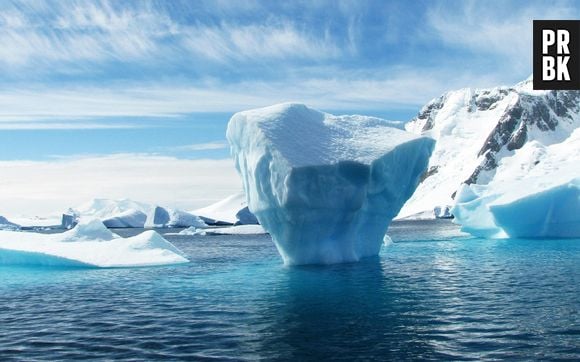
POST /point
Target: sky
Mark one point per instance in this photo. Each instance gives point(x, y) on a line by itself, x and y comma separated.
point(131, 99)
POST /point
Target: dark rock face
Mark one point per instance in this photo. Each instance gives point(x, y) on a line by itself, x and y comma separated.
point(530, 111)
point(544, 112)
point(430, 172)
point(429, 111)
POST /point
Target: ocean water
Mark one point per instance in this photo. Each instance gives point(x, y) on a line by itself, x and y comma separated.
point(433, 294)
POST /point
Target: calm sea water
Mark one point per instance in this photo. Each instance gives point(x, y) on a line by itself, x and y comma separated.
point(434, 294)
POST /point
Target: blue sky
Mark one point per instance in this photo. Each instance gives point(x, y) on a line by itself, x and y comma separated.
point(161, 78)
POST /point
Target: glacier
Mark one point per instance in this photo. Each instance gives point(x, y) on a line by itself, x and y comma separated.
point(325, 187)
point(88, 244)
point(539, 199)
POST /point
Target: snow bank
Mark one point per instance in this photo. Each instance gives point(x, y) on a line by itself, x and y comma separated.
point(89, 244)
point(541, 200)
point(231, 210)
point(325, 187)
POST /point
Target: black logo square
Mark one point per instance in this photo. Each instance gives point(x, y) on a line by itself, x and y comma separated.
point(557, 54)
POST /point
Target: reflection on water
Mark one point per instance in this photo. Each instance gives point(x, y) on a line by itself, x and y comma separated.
point(433, 294)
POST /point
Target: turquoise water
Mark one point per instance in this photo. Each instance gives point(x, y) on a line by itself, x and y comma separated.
point(434, 294)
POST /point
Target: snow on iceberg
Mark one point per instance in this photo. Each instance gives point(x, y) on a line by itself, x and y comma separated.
point(161, 217)
point(325, 187)
point(89, 244)
point(538, 200)
point(232, 210)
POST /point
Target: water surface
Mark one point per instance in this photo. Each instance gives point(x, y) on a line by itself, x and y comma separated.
point(433, 294)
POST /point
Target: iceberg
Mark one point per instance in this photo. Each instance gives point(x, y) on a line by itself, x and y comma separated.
point(539, 211)
point(161, 217)
point(126, 213)
point(123, 213)
point(127, 219)
point(89, 244)
point(532, 200)
point(232, 210)
point(7, 225)
point(325, 187)
point(70, 219)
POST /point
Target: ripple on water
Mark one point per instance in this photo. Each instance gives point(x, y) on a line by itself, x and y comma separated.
point(433, 294)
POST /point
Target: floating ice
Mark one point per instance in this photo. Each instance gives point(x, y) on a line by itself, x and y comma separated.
point(127, 219)
point(231, 210)
point(69, 219)
point(538, 201)
point(229, 230)
point(89, 244)
point(325, 187)
point(161, 217)
point(539, 211)
point(7, 225)
point(126, 213)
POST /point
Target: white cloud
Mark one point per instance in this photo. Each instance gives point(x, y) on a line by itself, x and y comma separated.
point(478, 27)
point(217, 145)
point(227, 43)
point(31, 126)
point(80, 31)
point(44, 187)
point(398, 87)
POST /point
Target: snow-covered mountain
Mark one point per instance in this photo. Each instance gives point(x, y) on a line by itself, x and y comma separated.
point(486, 134)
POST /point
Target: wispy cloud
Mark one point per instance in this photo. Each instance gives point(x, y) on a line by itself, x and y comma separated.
point(206, 146)
point(103, 31)
point(80, 125)
point(506, 39)
point(400, 87)
point(226, 43)
point(187, 184)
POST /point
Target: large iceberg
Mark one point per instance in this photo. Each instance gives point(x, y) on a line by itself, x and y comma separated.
point(325, 187)
point(539, 199)
point(88, 244)
point(232, 210)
